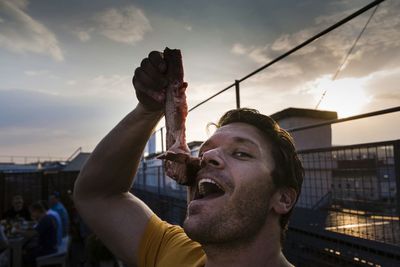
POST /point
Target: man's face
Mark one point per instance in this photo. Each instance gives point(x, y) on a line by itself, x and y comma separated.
point(52, 200)
point(18, 204)
point(233, 188)
point(35, 215)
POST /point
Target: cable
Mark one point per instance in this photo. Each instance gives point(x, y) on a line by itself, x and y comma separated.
point(308, 41)
point(339, 69)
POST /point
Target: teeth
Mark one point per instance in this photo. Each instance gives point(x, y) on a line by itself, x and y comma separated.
point(206, 180)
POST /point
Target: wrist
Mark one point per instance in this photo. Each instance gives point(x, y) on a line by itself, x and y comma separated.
point(148, 111)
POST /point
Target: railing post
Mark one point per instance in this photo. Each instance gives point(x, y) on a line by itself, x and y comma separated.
point(237, 89)
point(162, 139)
point(158, 181)
point(396, 154)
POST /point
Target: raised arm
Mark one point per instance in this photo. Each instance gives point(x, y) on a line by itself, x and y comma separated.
point(101, 191)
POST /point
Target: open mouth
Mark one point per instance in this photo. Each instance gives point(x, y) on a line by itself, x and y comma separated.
point(207, 189)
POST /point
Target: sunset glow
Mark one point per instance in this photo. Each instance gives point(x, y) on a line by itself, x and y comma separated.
point(345, 96)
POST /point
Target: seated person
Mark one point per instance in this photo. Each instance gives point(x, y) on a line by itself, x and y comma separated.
point(57, 218)
point(3, 248)
point(18, 210)
point(57, 206)
point(46, 233)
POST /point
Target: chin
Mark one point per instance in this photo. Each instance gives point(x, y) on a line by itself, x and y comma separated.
point(189, 226)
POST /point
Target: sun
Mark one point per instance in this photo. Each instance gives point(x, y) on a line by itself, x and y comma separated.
point(345, 96)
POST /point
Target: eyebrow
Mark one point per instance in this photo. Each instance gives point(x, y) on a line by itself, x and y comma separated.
point(244, 140)
point(235, 139)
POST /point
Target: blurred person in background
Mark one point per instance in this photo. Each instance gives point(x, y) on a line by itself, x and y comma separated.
point(18, 211)
point(42, 238)
point(57, 206)
point(4, 259)
point(56, 217)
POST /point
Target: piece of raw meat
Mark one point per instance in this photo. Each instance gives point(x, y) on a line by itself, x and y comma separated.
point(179, 165)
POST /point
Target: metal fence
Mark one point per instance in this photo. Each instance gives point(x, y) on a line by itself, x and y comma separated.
point(348, 211)
point(357, 187)
point(34, 186)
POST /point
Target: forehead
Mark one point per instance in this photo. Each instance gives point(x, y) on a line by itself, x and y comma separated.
point(239, 132)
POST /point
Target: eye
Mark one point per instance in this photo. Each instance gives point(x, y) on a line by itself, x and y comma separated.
point(241, 154)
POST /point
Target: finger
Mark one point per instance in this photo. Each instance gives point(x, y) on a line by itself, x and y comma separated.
point(154, 73)
point(138, 85)
point(145, 95)
point(157, 59)
point(145, 80)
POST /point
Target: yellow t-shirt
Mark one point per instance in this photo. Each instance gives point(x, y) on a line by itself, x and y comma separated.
point(166, 245)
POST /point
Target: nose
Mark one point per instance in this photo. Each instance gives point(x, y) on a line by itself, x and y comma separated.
point(212, 158)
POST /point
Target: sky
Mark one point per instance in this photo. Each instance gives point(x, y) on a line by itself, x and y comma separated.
point(66, 66)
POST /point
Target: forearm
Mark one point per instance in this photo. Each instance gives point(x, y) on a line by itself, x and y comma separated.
point(111, 167)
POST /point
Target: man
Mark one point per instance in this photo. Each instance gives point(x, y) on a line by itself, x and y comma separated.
point(4, 255)
point(57, 206)
point(248, 184)
point(46, 233)
point(56, 218)
point(18, 211)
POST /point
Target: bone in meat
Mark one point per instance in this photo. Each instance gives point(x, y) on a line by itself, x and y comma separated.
point(178, 164)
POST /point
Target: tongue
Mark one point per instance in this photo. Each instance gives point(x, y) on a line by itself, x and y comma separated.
point(212, 195)
point(212, 191)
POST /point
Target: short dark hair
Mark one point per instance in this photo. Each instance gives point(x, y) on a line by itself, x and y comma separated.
point(44, 204)
point(55, 194)
point(288, 171)
point(37, 206)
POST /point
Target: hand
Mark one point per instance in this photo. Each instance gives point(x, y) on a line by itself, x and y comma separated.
point(150, 81)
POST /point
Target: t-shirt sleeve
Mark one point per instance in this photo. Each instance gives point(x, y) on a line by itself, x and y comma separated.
point(165, 245)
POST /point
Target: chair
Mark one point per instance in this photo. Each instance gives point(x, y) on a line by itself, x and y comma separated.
point(60, 257)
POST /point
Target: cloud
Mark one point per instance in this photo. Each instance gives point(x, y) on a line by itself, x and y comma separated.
point(256, 54)
point(36, 72)
point(21, 33)
point(40, 74)
point(124, 25)
point(188, 28)
point(38, 121)
point(239, 49)
point(84, 36)
point(114, 85)
point(380, 41)
point(377, 49)
point(71, 82)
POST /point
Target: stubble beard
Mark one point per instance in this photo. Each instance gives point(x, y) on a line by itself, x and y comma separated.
point(236, 223)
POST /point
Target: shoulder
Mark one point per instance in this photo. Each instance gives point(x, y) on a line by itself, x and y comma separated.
point(164, 244)
point(47, 220)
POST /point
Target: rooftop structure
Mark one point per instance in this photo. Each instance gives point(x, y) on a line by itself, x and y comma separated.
point(291, 118)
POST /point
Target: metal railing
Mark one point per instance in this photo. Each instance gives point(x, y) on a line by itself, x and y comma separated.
point(34, 186)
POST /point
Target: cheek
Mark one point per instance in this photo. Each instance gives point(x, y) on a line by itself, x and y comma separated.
point(246, 173)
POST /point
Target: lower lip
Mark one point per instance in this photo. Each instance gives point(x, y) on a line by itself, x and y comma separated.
point(211, 196)
point(208, 198)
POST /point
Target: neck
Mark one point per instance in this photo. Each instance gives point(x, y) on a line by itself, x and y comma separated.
point(41, 216)
point(262, 250)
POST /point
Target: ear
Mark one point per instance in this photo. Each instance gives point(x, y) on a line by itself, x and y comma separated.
point(283, 200)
